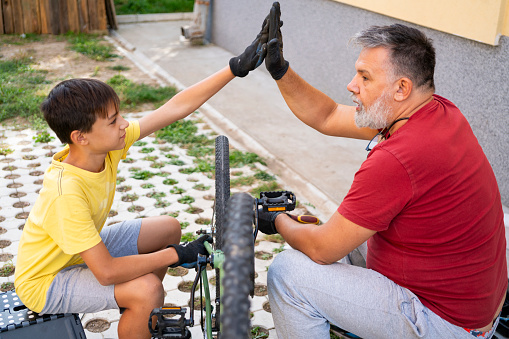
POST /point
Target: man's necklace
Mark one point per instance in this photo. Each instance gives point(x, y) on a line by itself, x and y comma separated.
point(385, 131)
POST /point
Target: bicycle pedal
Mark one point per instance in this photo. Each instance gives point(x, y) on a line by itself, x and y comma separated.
point(274, 201)
point(166, 327)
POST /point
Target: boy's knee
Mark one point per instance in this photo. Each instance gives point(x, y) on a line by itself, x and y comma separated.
point(173, 228)
point(149, 286)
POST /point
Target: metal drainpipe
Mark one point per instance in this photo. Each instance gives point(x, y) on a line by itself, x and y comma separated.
point(208, 31)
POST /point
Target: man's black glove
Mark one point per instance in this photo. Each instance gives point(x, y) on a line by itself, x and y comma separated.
point(274, 61)
point(266, 221)
point(188, 252)
point(253, 54)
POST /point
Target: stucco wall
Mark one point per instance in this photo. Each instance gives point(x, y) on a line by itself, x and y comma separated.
point(473, 75)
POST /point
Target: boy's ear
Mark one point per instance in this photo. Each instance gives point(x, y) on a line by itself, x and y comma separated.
point(78, 138)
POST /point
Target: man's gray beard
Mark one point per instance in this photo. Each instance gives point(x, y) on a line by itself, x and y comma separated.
point(375, 116)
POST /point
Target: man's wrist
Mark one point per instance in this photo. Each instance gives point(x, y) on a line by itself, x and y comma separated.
point(276, 218)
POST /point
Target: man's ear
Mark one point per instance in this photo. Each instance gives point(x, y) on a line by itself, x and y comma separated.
point(404, 89)
point(79, 138)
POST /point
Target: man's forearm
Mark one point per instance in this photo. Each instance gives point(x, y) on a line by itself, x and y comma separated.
point(307, 103)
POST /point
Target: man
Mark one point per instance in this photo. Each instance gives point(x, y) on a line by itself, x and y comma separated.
point(425, 200)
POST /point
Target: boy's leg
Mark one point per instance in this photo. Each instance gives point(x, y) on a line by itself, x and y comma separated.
point(140, 236)
point(305, 297)
point(140, 296)
point(156, 233)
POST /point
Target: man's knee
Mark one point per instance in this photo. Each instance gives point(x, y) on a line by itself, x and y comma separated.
point(285, 266)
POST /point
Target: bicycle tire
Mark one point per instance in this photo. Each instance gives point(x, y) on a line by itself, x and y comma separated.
point(222, 179)
point(238, 268)
point(222, 191)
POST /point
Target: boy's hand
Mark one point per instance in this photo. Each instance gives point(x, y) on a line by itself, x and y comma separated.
point(188, 252)
point(266, 221)
point(274, 61)
point(253, 55)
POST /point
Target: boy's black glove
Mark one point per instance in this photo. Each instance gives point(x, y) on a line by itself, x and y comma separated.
point(188, 252)
point(266, 221)
point(274, 61)
point(253, 54)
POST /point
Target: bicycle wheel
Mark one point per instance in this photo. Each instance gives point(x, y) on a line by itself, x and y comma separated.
point(222, 187)
point(238, 268)
point(221, 199)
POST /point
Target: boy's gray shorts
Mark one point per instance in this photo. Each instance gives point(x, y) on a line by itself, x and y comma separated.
point(76, 290)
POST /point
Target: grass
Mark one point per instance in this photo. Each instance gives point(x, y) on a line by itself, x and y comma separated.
point(268, 186)
point(152, 6)
point(132, 94)
point(183, 132)
point(20, 86)
point(91, 45)
point(23, 88)
point(239, 158)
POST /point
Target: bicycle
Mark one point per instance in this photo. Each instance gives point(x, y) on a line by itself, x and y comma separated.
point(231, 255)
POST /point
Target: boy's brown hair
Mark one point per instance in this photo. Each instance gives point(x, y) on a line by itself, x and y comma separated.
point(75, 104)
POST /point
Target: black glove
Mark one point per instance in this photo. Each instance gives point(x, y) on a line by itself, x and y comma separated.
point(188, 252)
point(274, 61)
point(266, 221)
point(253, 54)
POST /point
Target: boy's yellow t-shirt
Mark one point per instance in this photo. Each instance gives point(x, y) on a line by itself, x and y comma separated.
point(65, 220)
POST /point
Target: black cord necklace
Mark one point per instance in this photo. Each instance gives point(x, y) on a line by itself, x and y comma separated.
point(386, 130)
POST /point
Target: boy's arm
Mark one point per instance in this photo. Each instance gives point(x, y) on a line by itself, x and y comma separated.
point(190, 99)
point(185, 102)
point(109, 270)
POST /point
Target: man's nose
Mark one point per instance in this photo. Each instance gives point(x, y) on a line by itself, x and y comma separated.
point(352, 86)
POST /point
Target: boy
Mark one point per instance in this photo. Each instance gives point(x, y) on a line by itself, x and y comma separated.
point(67, 262)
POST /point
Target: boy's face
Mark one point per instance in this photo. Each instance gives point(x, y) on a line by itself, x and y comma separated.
point(108, 134)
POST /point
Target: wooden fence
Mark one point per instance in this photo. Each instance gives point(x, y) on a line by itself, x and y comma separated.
point(56, 16)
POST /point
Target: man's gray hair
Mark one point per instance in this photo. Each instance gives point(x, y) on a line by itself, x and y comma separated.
point(412, 54)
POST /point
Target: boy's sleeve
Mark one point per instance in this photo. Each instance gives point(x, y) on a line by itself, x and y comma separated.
point(132, 134)
point(70, 225)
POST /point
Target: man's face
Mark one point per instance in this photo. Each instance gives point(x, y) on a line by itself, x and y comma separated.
point(371, 90)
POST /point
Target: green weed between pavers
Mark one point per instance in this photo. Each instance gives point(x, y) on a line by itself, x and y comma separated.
point(188, 237)
point(152, 6)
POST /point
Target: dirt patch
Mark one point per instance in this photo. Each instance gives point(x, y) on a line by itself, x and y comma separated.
point(177, 271)
point(187, 286)
point(262, 255)
point(97, 325)
point(266, 307)
point(260, 290)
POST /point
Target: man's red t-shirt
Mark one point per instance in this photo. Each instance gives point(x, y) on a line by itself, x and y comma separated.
point(431, 195)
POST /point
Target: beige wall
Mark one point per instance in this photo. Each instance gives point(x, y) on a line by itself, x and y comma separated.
point(480, 20)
